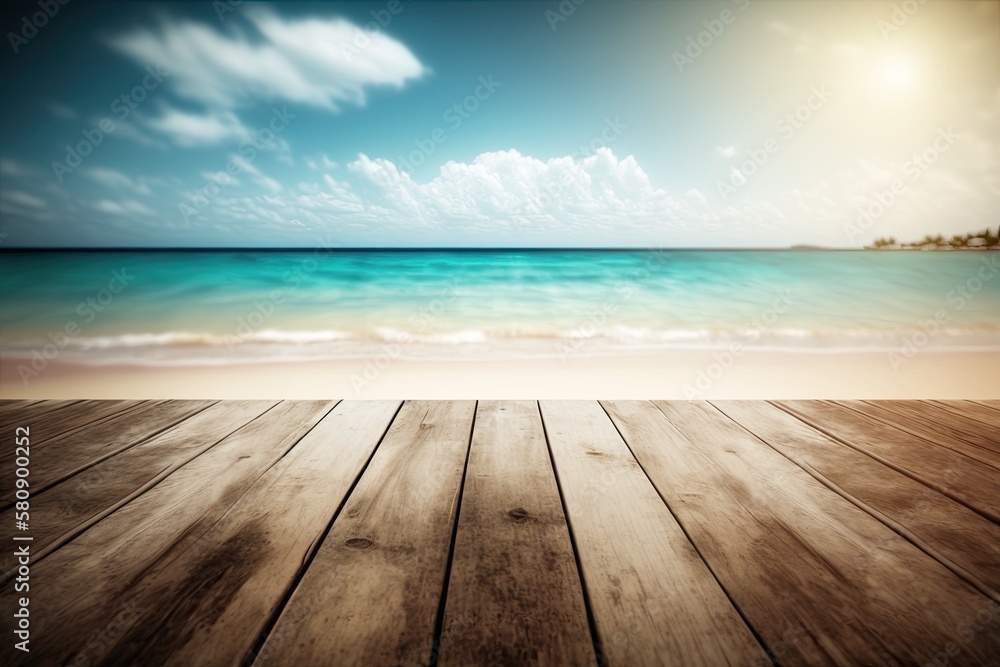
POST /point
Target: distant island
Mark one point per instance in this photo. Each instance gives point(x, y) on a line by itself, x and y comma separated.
point(985, 240)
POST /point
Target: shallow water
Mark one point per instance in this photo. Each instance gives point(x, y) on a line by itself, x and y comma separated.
point(218, 307)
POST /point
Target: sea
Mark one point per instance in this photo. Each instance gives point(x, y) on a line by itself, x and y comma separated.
point(239, 306)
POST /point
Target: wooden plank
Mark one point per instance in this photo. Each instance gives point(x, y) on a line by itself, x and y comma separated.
point(71, 507)
point(790, 551)
point(86, 584)
point(209, 605)
point(29, 415)
point(983, 412)
point(69, 454)
point(73, 418)
point(962, 420)
point(959, 477)
point(654, 600)
point(514, 596)
point(372, 593)
point(962, 540)
point(943, 428)
point(14, 405)
point(956, 420)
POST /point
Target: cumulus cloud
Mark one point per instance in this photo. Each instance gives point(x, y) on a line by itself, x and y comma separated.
point(13, 168)
point(506, 184)
point(126, 207)
point(508, 198)
point(192, 129)
point(317, 62)
point(19, 198)
point(696, 195)
point(117, 180)
point(498, 197)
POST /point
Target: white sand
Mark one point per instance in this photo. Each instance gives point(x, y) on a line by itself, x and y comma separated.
point(755, 374)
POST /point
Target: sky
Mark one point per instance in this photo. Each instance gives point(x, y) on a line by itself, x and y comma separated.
point(565, 123)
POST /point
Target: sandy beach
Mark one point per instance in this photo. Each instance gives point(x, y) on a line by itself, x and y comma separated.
point(667, 375)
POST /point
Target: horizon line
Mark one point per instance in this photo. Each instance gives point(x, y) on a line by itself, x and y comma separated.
point(803, 247)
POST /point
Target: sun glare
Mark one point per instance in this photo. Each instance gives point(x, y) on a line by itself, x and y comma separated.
point(898, 73)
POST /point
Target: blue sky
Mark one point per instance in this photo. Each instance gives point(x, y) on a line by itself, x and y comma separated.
point(499, 124)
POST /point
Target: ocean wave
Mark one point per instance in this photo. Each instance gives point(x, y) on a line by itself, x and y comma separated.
point(190, 339)
point(271, 345)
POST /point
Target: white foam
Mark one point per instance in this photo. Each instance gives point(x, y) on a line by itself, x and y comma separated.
point(502, 342)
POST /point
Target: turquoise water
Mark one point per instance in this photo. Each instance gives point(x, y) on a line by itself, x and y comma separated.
point(220, 307)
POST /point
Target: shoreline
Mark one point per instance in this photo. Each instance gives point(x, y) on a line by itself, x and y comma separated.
point(753, 374)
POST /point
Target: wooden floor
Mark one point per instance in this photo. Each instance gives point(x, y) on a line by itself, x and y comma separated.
point(507, 533)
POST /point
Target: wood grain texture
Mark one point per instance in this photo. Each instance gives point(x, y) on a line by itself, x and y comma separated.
point(87, 585)
point(26, 415)
point(935, 424)
point(790, 551)
point(373, 590)
point(958, 476)
point(171, 534)
point(71, 453)
point(13, 406)
point(982, 412)
point(944, 529)
point(654, 600)
point(72, 419)
point(225, 589)
point(514, 597)
point(81, 501)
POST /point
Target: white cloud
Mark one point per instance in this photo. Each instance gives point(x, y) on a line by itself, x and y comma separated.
point(269, 183)
point(131, 131)
point(506, 185)
point(19, 198)
point(13, 168)
point(260, 179)
point(324, 163)
point(504, 198)
point(125, 207)
point(507, 198)
point(244, 164)
point(313, 61)
point(117, 180)
point(192, 129)
point(220, 178)
point(726, 151)
point(697, 196)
